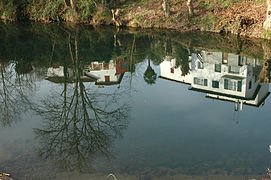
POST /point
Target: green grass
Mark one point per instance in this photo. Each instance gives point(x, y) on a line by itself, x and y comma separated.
point(147, 23)
point(227, 3)
point(139, 18)
point(142, 2)
point(266, 34)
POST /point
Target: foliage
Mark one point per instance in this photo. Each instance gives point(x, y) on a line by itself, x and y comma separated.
point(210, 22)
point(87, 9)
point(43, 44)
point(182, 59)
point(227, 3)
point(142, 2)
point(102, 16)
point(139, 18)
point(150, 75)
point(266, 34)
point(50, 10)
point(13, 9)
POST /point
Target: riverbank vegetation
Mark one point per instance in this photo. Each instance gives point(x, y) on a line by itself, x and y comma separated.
point(51, 41)
point(237, 16)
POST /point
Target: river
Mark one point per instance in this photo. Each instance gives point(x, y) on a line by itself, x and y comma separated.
point(79, 102)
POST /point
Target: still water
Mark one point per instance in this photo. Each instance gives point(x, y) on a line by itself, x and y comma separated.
point(85, 103)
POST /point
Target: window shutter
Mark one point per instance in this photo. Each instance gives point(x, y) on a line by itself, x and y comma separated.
point(205, 82)
point(226, 84)
point(239, 86)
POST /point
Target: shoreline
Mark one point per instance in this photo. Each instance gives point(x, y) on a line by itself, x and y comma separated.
point(245, 18)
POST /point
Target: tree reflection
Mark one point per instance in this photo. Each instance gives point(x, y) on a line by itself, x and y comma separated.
point(14, 90)
point(182, 59)
point(150, 75)
point(79, 123)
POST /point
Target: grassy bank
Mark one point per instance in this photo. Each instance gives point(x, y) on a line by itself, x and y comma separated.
point(237, 16)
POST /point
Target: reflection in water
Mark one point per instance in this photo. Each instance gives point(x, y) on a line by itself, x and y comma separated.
point(221, 76)
point(15, 88)
point(86, 108)
point(106, 74)
point(78, 122)
point(150, 75)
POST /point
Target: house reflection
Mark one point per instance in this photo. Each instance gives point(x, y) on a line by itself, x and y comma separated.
point(61, 74)
point(80, 124)
point(107, 74)
point(103, 74)
point(221, 76)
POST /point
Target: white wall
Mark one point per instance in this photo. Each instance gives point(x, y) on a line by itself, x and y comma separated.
point(59, 72)
point(101, 73)
point(165, 70)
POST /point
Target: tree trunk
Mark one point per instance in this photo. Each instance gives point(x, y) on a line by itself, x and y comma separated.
point(115, 17)
point(190, 6)
point(165, 6)
point(73, 5)
point(267, 23)
point(168, 47)
point(264, 76)
point(65, 4)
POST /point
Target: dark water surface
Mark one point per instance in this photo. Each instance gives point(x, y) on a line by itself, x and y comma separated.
point(81, 103)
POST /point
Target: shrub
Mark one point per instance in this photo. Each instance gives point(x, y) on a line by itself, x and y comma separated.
point(12, 9)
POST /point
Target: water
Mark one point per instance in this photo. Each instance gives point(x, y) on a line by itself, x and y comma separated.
point(81, 103)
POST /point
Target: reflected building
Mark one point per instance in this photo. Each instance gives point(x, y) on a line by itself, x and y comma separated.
point(170, 71)
point(107, 74)
point(221, 76)
point(80, 124)
point(62, 74)
point(101, 73)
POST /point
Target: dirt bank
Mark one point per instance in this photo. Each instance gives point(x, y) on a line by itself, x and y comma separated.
point(240, 17)
point(245, 18)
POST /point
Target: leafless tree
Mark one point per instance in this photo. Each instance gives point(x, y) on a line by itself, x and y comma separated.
point(76, 124)
point(14, 92)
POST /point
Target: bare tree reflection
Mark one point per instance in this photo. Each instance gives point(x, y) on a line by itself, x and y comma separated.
point(79, 124)
point(14, 91)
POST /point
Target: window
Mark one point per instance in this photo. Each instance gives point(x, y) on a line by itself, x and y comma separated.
point(234, 69)
point(172, 70)
point(205, 82)
point(215, 84)
point(241, 60)
point(200, 65)
point(226, 84)
point(217, 67)
point(239, 86)
point(107, 78)
point(124, 65)
point(249, 85)
point(201, 81)
point(233, 85)
point(230, 84)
